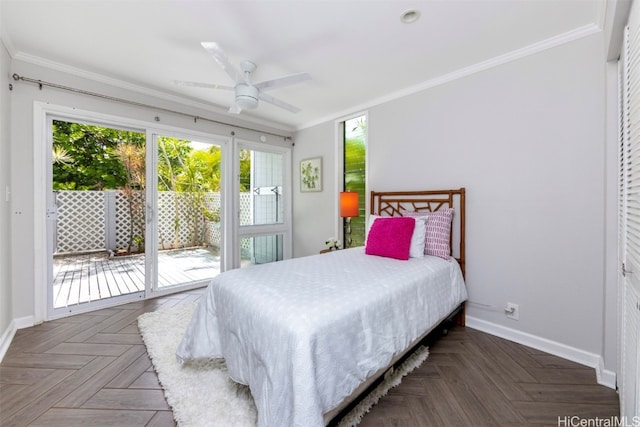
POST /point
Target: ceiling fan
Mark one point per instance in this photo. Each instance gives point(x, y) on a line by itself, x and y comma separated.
point(247, 93)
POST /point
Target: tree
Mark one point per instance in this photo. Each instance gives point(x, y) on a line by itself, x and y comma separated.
point(88, 160)
point(87, 157)
point(245, 171)
point(195, 185)
point(189, 175)
point(171, 155)
point(133, 161)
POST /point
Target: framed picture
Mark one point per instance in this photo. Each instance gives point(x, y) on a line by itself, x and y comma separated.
point(311, 174)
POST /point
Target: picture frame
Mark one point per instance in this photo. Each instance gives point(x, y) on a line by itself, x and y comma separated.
point(311, 174)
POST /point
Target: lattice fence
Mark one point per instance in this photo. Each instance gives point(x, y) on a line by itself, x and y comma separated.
point(212, 231)
point(128, 205)
point(102, 220)
point(180, 220)
point(81, 226)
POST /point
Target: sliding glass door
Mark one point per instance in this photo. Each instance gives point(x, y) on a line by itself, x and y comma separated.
point(95, 216)
point(129, 212)
point(134, 211)
point(185, 224)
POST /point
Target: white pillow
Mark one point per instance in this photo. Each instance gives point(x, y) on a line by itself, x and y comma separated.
point(417, 238)
point(369, 224)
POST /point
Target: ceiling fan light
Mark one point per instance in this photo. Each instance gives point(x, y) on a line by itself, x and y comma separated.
point(246, 97)
point(246, 102)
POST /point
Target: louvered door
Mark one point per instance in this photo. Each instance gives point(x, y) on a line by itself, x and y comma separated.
point(629, 383)
point(629, 372)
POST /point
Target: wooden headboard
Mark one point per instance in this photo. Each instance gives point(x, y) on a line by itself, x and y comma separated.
point(395, 203)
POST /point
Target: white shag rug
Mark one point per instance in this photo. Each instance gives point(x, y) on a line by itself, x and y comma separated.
point(201, 393)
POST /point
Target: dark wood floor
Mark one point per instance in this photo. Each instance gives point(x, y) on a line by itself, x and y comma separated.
point(92, 369)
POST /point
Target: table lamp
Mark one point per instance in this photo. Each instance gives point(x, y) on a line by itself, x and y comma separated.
point(348, 209)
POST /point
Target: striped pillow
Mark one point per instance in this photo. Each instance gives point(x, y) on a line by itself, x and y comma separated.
point(438, 233)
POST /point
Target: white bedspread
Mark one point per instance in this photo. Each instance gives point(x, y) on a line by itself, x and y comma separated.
point(304, 333)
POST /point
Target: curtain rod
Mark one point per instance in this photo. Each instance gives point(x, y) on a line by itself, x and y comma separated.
point(41, 83)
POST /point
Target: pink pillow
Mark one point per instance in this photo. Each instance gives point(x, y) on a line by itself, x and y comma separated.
point(438, 233)
point(390, 237)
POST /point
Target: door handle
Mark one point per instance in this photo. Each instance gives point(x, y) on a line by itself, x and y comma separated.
point(52, 213)
point(149, 215)
point(625, 271)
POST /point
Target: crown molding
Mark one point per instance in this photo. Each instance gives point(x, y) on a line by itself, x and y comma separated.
point(531, 49)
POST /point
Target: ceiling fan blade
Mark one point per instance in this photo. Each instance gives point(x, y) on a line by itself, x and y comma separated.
point(278, 103)
point(220, 57)
point(204, 85)
point(235, 109)
point(283, 81)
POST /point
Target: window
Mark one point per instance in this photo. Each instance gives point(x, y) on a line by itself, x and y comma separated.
point(355, 150)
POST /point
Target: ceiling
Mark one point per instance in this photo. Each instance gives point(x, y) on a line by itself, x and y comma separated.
point(357, 52)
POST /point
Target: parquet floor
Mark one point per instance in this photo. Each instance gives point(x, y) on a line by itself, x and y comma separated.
point(93, 370)
point(475, 379)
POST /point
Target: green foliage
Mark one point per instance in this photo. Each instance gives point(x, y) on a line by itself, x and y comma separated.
point(183, 169)
point(87, 157)
point(355, 171)
point(188, 174)
point(245, 170)
point(84, 156)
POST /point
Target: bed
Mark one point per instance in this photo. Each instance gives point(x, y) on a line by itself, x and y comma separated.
point(308, 334)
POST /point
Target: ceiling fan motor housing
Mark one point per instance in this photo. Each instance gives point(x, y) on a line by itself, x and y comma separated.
point(246, 96)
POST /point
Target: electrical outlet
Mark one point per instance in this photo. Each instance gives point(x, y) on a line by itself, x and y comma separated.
point(512, 311)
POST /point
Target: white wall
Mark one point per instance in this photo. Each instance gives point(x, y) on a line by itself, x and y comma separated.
point(527, 140)
point(315, 213)
point(6, 312)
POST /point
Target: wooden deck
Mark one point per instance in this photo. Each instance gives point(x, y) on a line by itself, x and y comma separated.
point(84, 278)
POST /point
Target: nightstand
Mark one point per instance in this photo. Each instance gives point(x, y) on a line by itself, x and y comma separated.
point(324, 251)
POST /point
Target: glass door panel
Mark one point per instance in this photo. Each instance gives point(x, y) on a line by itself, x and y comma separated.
point(260, 249)
point(187, 237)
point(262, 205)
point(95, 216)
point(261, 178)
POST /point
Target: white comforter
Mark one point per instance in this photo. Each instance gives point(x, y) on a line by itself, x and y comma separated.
point(304, 333)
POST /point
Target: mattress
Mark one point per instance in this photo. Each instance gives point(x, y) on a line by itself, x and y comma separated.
point(305, 332)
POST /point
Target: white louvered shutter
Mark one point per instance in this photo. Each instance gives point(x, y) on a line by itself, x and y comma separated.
point(629, 372)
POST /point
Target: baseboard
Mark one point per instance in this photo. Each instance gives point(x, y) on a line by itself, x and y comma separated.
point(10, 332)
point(6, 338)
point(592, 360)
point(605, 377)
